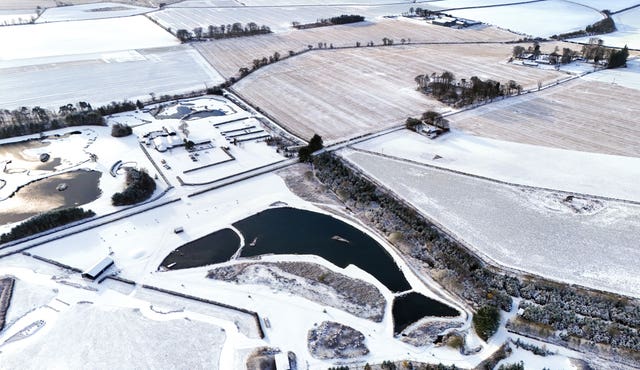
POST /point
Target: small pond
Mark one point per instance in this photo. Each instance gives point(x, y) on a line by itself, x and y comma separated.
point(210, 249)
point(40, 196)
point(411, 307)
point(205, 114)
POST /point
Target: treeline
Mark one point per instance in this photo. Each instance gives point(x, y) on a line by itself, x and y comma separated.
point(342, 19)
point(555, 57)
point(139, 187)
point(222, 31)
point(45, 221)
point(606, 25)
point(446, 89)
point(26, 121)
point(581, 316)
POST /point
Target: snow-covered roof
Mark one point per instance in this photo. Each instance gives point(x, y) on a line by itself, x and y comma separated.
point(98, 268)
point(282, 361)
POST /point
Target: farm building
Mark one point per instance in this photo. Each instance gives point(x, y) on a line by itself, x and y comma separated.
point(98, 268)
point(445, 21)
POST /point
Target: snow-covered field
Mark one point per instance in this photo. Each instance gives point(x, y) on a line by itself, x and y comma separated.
point(317, 2)
point(628, 31)
point(457, 4)
point(534, 231)
point(82, 37)
point(522, 164)
point(613, 6)
point(542, 19)
point(90, 11)
point(277, 18)
point(348, 92)
point(102, 78)
point(227, 56)
point(627, 77)
point(580, 115)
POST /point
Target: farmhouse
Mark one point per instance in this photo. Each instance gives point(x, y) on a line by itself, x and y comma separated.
point(97, 269)
point(445, 21)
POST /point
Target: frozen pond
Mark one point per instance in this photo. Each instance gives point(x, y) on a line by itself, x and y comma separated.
point(295, 231)
point(213, 248)
point(40, 196)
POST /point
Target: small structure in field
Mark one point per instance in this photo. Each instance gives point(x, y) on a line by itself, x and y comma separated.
point(101, 266)
point(282, 361)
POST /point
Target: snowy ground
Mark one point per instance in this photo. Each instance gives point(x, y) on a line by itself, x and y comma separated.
point(628, 30)
point(82, 37)
point(87, 325)
point(627, 77)
point(558, 169)
point(90, 11)
point(114, 76)
point(542, 19)
point(141, 242)
point(534, 231)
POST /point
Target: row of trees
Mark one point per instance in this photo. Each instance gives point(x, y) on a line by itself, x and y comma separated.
point(606, 25)
point(222, 31)
point(594, 51)
point(447, 89)
point(567, 56)
point(139, 187)
point(342, 19)
point(26, 121)
point(45, 221)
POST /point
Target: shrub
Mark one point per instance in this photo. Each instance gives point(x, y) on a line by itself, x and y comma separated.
point(486, 321)
point(120, 130)
point(305, 152)
point(140, 187)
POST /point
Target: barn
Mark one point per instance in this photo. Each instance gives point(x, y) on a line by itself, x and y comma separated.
point(97, 269)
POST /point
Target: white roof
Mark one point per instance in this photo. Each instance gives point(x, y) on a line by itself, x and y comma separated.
point(100, 266)
point(282, 361)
